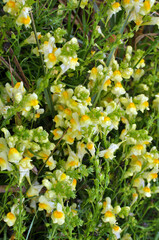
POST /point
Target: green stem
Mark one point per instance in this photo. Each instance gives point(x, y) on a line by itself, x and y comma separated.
point(20, 214)
point(37, 41)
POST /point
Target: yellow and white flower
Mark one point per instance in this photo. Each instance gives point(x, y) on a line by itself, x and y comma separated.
point(131, 109)
point(127, 73)
point(50, 162)
point(116, 230)
point(70, 63)
point(58, 215)
point(106, 84)
point(24, 17)
point(81, 149)
point(44, 204)
point(4, 164)
point(145, 191)
point(85, 120)
point(115, 7)
point(146, 7)
point(10, 218)
point(138, 149)
point(14, 156)
point(116, 76)
point(72, 161)
point(96, 72)
point(109, 217)
point(118, 89)
point(31, 39)
point(138, 73)
point(61, 176)
point(83, 3)
point(109, 153)
point(138, 182)
point(24, 167)
point(34, 190)
point(153, 175)
point(141, 102)
point(52, 58)
point(107, 205)
point(91, 148)
point(48, 46)
point(104, 120)
point(57, 133)
point(11, 7)
point(74, 183)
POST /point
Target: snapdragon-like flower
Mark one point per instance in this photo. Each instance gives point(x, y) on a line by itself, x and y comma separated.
point(24, 17)
point(131, 109)
point(72, 161)
point(14, 156)
point(116, 76)
point(145, 191)
point(71, 63)
point(61, 176)
point(115, 7)
point(52, 58)
point(34, 190)
point(44, 204)
point(91, 148)
point(17, 92)
point(116, 230)
point(31, 39)
point(138, 73)
point(109, 153)
point(118, 89)
point(24, 167)
point(58, 215)
point(138, 149)
point(96, 73)
point(11, 6)
point(109, 217)
point(4, 164)
point(10, 218)
point(50, 162)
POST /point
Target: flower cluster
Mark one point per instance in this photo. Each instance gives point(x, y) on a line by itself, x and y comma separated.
point(136, 10)
point(143, 164)
point(16, 100)
point(110, 215)
point(20, 10)
point(52, 55)
point(91, 142)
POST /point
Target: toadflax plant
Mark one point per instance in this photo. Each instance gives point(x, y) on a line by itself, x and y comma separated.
point(79, 113)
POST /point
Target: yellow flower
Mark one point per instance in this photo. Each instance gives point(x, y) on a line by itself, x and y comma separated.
point(109, 217)
point(116, 230)
point(11, 7)
point(90, 146)
point(10, 219)
point(131, 109)
point(14, 156)
point(24, 167)
point(24, 17)
point(72, 161)
point(44, 204)
point(58, 215)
